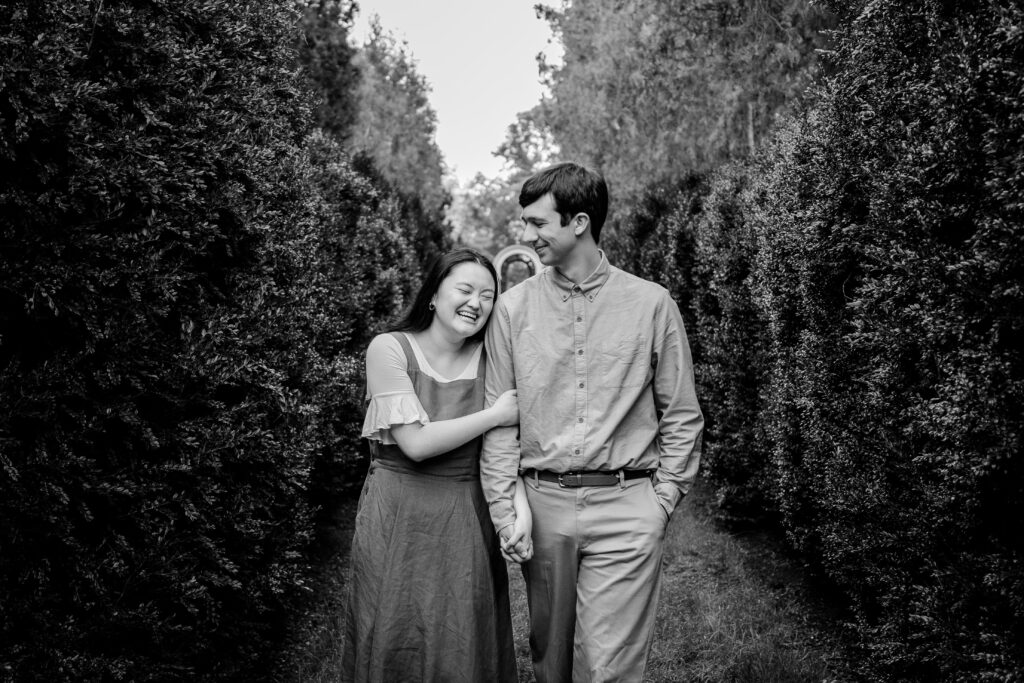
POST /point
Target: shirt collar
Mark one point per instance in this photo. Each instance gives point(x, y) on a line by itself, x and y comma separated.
point(589, 287)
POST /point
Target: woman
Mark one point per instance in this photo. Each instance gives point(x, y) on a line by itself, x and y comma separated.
point(429, 595)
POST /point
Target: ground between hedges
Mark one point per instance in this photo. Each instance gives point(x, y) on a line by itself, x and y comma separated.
point(735, 608)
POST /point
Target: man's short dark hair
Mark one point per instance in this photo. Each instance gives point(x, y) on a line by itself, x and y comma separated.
point(575, 188)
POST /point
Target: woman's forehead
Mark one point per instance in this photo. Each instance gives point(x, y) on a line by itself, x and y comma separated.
point(471, 273)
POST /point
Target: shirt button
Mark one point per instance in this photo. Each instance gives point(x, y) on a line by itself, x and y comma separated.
point(577, 451)
point(581, 385)
point(581, 419)
point(579, 318)
point(580, 352)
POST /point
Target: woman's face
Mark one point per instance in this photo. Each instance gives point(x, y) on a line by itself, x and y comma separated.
point(464, 300)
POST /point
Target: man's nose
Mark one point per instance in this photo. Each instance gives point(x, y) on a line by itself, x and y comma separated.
point(529, 233)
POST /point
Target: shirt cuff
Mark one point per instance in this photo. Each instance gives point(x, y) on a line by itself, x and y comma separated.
point(669, 496)
point(503, 515)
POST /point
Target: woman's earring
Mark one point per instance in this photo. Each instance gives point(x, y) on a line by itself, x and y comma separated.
point(431, 305)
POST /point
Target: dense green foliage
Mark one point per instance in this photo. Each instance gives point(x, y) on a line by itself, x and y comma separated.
point(191, 265)
point(889, 268)
point(187, 282)
point(328, 61)
point(856, 297)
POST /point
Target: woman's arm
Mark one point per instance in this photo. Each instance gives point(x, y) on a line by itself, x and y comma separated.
point(387, 372)
point(422, 441)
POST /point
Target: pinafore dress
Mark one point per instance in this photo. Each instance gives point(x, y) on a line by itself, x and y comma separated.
point(429, 591)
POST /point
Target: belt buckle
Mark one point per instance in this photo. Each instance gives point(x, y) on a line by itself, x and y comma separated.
point(564, 485)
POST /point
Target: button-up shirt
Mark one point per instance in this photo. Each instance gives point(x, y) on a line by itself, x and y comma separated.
point(605, 382)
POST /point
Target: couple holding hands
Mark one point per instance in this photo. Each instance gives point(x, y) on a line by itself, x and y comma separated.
point(589, 439)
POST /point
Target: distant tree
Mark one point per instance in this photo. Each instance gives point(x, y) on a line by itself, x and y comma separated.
point(485, 214)
point(650, 90)
point(528, 144)
point(395, 132)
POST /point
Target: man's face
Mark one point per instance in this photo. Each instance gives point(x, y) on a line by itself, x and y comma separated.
point(552, 241)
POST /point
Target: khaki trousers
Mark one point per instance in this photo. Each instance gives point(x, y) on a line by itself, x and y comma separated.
point(592, 585)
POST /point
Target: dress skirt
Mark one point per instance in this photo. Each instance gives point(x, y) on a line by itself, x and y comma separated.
point(429, 592)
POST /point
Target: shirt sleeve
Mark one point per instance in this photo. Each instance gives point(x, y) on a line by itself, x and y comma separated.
point(392, 397)
point(680, 422)
point(499, 460)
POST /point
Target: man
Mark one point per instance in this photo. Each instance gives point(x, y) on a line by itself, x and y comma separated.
point(609, 434)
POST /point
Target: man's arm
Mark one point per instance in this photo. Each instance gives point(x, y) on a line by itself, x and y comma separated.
point(681, 423)
point(499, 461)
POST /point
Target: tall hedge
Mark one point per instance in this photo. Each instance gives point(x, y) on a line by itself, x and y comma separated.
point(892, 251)
point(366, 267)
point(185, 280)
point(858, 303)
point(861, 297)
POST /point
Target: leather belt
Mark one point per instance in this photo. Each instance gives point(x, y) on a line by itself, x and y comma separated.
point(575, 480)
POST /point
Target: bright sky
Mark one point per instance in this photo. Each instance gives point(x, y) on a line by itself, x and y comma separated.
point(479, 57)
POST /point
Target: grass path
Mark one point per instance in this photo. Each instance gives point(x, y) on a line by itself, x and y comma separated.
point(733, 609)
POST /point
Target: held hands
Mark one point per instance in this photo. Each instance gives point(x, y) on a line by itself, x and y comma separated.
point(518, 545)
point(506, 409)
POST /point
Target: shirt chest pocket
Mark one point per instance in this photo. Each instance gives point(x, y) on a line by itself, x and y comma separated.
point(623, 362)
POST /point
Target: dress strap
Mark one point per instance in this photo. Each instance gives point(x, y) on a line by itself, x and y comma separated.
point(410, 355)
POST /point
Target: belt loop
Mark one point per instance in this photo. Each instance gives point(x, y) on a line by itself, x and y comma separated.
point(536, 480)
point(622, 479)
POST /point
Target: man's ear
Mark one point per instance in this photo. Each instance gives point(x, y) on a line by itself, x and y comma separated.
point(580, 222)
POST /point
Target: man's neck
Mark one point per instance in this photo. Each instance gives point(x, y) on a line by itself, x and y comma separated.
point(585, 260)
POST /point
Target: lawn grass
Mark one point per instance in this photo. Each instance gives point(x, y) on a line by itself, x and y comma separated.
point(734, 609)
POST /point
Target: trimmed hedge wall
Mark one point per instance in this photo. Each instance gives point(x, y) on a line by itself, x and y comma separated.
point(187, 281)
point(858, 304)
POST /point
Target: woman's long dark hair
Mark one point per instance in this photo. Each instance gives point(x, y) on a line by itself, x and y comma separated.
point(419, 316)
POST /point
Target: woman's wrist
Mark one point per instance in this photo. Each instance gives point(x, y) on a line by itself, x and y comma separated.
point(493, 418)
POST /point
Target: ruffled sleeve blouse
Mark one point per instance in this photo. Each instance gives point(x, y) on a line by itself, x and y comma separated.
point(392, 399)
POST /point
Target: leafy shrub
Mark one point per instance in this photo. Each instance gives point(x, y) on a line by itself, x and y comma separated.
point(896, 207)
point(859, 304)
point(731, 332)
point(185, 284)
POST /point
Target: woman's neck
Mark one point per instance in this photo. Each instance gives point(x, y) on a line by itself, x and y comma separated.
point(435, 343)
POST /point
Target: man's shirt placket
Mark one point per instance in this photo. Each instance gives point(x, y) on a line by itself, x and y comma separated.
point(579, 377)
